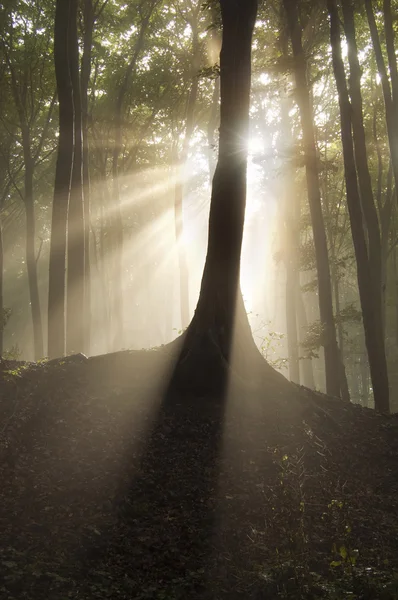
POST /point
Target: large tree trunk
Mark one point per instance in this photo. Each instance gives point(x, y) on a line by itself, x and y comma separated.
point(220, 315)
point(75, 313)
point(371, 311)
point(63, 173)
point(88, 21)
point(332, 360)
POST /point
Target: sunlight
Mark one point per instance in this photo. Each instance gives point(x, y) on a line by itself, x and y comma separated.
point(255, 145)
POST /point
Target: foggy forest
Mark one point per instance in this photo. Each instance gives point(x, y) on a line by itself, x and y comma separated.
point(199, 299)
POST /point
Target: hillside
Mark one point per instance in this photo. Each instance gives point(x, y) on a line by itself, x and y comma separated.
point(111, 488)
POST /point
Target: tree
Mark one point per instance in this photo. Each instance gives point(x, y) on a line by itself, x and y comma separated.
point(370, 297)
point(332, 359)
point(25, 55)
point(63, 174)
point(220, 325)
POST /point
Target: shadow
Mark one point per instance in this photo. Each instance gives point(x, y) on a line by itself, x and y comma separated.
point(162, 543)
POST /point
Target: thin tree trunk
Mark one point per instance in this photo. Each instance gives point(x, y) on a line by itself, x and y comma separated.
point(391, 114)
point(2, 315)
point(63, 173)
point(307, 369)
point(361, 158)
point(212, 126)
point(88, 20)
point(392, 58)
point(75, 313)
point(291, 240)
point(332, 361)
point(31, 263)
point(371, 311)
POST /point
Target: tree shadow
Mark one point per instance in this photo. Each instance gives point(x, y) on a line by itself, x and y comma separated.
point(167, 509)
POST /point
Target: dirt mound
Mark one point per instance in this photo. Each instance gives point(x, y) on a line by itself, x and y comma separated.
point(111, 488)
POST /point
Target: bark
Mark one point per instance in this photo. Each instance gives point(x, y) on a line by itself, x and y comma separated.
point(220, 317)
point(179, 190)
point(332, 361)
point(88, 22)
point(75, 314)
point(391, 114)
point(63, 173)
point(370, 310)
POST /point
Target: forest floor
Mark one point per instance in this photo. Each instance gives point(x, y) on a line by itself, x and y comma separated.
point(111, 489)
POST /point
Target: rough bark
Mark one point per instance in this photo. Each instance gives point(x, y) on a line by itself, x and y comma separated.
point(220, 316)
point(370, 311)
point(75, 313)
point(332, 361)
point(63, 173)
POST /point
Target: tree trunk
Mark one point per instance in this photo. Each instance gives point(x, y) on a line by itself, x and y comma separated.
point(75, 313)
point(31, 262)
point(391, 114)
point(63, 173)
point(88, 20)
point(2, 316)
point(332, 361)
point(212, 126)
point(307, 370)
point(220, 317)
point(291, 238)
point(371, 311)
point(392, 59)
point(361, 158)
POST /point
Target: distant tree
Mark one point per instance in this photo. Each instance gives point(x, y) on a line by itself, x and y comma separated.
point(354, 153)
point(26, 56)
point(303, 97)
point(62, 185)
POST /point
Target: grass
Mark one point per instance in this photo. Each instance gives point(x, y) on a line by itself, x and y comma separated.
point(111, 489)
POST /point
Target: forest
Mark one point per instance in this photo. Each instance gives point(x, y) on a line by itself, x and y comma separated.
point(199, 299)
